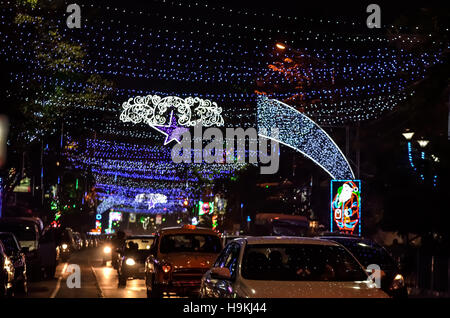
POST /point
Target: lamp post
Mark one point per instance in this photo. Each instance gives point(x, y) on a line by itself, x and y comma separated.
point(422, 143)
point(408, 136)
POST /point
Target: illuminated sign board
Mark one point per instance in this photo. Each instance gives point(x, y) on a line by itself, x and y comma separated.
point(346, 206)
point(114, 219)
point(24, 186)
point(205, 207)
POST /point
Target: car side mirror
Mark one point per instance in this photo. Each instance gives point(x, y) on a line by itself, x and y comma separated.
point(220, 273)
point(25, 250)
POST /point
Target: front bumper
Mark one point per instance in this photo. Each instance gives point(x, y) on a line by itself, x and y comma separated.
point(181, 289)
point(183, 281)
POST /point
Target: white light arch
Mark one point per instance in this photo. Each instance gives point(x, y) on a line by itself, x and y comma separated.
point(300, 133)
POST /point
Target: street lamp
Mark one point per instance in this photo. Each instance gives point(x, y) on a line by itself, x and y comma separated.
point(281, 46)
point(408, 135)
point(423, 142)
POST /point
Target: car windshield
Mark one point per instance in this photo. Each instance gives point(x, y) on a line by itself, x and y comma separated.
point(300, 262)
point(23, 232)
point(141, 243)
point(367, 253)
point(198, 243)
point(9, 243)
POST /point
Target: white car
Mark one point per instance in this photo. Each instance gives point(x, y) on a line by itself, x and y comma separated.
point(287, 267)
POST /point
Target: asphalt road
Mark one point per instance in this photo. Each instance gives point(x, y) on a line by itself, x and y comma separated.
point(96, 280)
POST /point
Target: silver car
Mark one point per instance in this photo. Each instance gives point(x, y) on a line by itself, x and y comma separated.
point(285, 267)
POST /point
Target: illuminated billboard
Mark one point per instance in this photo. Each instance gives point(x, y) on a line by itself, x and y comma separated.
point(205, 208)
point(346, 206)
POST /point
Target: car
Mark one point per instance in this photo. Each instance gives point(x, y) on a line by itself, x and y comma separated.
point(107, 249)
point(132, 257)
point(84, 240)
point(67, 244)
point(78, 241)
point(6, 274)
point(28, 232)
point(51, 250)
point(179, 258)
point(368, 252)
point(17, 257)
point(286, 267)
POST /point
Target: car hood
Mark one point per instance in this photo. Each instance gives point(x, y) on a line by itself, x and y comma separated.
point(280, 289)
point(190, 260)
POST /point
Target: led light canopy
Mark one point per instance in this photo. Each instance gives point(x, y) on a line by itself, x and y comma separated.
point(299, 132)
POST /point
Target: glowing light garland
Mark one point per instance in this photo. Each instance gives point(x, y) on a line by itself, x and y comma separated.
point(152, 108)
point(303, 135)
point(187, 58)
point(371, 82)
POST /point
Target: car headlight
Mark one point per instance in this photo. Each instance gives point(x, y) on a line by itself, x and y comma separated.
point(107, 250)
point(398, 282)
point(64, 246)
point(130, 262)
point(8, 265)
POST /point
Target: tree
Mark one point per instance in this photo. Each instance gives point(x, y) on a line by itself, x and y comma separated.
point(51, 68)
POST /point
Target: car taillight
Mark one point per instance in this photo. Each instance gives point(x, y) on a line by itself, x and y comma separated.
point(166, 268)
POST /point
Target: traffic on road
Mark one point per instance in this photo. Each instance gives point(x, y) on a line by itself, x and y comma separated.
point(190, 261)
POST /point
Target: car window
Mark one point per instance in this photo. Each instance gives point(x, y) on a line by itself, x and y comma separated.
point(300, 262)
point(142, 243)
point(231, 261)
point(198, 243)
point(9, 244)
point(221, 258)
point(367, 253)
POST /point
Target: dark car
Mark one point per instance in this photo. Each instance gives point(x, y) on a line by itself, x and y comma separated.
point(368, 252)
point(6, 274)
point(17, 257)
point(27, 232)
point(50, 250)
point(132, 258)
point(67, 244)
point(78, 241)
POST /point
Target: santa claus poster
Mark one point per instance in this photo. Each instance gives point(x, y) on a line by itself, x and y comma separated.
point(346, 206)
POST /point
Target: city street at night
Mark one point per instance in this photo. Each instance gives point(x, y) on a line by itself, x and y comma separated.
point(97, 281)
point(223, 156)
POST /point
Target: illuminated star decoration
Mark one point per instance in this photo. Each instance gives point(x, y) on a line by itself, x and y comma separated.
point(171, 131)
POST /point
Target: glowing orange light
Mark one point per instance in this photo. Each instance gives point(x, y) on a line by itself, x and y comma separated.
point(280, 46)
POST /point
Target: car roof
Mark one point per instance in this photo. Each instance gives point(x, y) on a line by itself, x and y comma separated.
point(254, 240)
point(350, 238)
point(22, 219)
point(183, 230)
point(139, 236)
point(7, 233)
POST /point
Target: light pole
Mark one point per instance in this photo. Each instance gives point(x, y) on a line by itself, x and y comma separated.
point(408, 136)
point(423, 143)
